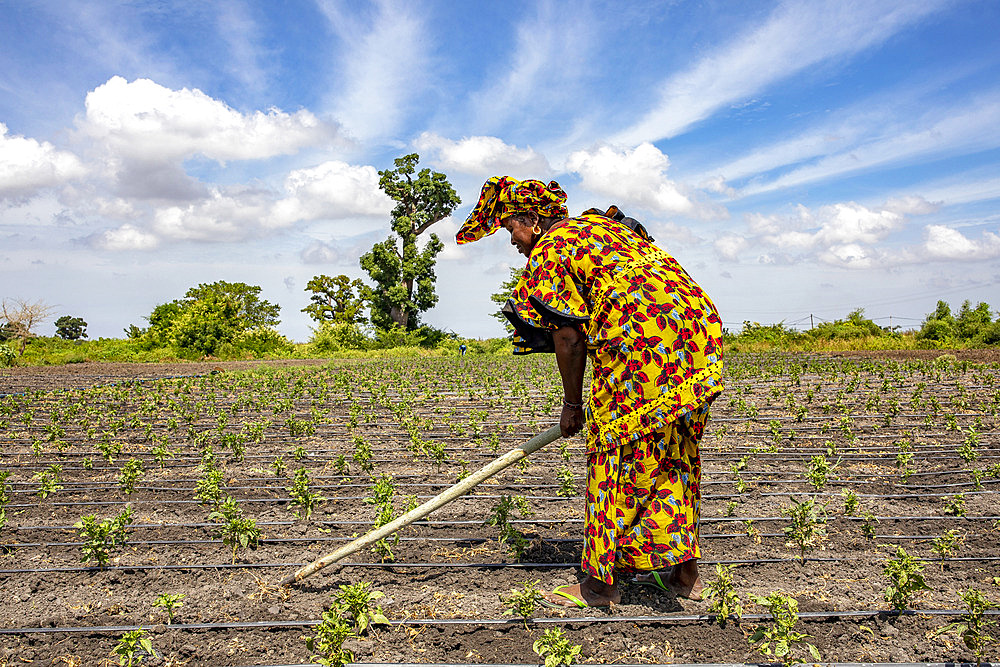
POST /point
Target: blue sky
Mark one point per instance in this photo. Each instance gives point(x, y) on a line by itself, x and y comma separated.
point(798, 158)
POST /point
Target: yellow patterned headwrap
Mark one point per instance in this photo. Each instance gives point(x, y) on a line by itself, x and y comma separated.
point(502, 197)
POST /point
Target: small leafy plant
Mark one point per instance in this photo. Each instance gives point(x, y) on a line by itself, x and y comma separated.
point(501, 518)
point(522, 602)
point(566, 482)
point(905, 579)
point(48, 480)
point(302, 496)
point(131, 472)
point(807, 529)
point(236, 530)
point(972, 627)
point(355, 600)
point(781, 640)
point(851, 502)
point(327, 641)
point(99, 537)
point(954, 506)
point(129, 645)
point(947, 545)
point(556, 649)
point(169, 602)
point(725, 601)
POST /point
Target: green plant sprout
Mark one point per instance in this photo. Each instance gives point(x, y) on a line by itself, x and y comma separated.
point(48, 480)
point(355, 600)
point(868, 524)
point(781, 640)
point(279, 466)
point(730, 508)
point(383, 492)
point(850, 502)
point(752, 531)
point(131, 473)
point(566, 482)
point(954, 506)
point(501, 518)
point(363, 454)
point(522, 602)
point(169, 602)
point(725, 602)
point(303, 498)
point(236, 530)
point(129, 645)
point(208, 488)
point(972, 627)
point(905, 579)
point(819, 470)
point(99, 537)
point(327, 641)
point(947, 545)
point(555, 649)
point(807, 530)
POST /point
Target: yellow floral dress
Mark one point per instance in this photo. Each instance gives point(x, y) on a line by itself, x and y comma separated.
point(655, 343)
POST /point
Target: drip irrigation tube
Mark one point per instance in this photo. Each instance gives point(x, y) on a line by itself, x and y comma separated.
point(566, 620)
point(461, 566)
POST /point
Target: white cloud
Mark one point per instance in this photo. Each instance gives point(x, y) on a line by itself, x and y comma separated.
point(945, 243)
point(331, 190)
point(124, 238)
point(383, 65)
point(145, 121)
point(318, 252)
point(785, 44)
point(27, 165)
point(636, 178)
point(970, 126)
point(730, 246)
point(911, 205)
point(484, 156)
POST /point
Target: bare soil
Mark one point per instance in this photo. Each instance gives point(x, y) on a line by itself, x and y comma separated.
point(444, 582)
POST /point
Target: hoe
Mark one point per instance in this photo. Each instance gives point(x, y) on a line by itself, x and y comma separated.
point(443, 498)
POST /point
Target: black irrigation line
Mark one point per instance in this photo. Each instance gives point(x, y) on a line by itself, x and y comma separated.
point(458, 566)
point(567, 620)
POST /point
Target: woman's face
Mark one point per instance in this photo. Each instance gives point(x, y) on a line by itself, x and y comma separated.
point(521, 235)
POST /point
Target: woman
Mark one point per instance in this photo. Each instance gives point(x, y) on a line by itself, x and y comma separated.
point(597, 286)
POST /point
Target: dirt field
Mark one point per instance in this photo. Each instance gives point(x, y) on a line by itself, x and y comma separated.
point(905, 433)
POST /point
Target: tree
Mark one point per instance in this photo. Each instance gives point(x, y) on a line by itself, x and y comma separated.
point(403, 273)
point(71, 328)
point(19, 319)
point(251, 311)
point(500, 298)
point(971, 322)
point(334, 300)
point(939, 325)
point(210, 315)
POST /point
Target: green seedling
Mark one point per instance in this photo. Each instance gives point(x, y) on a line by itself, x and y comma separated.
point(131, 473)
point(725, 602)
point(972, 627)
point(99, 537)
point(850, 502)
point(566, 482)
point(48, 480)
point(129, 645)
point(868, 525)
point(302, 496)
point(236, 530)
point(383, 492)
point(170, 602)
point(522, 602)
point(501, 518)
point(819, 470)
point(363, 454)
point(355, 600)
point(299, 453)
point(752, 531)
point(947, 545)
point(781, 640)
point(208, 488)
point(4, 497)
point(555, 649)
point(327, 641)
point(279, 466)
point(954, 506)
point(807, 530)
point(730, 509)
point(905, 579)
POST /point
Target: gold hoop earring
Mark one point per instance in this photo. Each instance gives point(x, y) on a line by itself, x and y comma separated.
point(536, 229)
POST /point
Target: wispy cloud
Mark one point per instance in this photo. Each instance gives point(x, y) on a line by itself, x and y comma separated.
point(969, 127)
point(796, 36)
point(383, 65)
point(241, 33)
point(483, 155)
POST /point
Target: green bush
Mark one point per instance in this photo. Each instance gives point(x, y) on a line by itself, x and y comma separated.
point(338, 336)
point(8, 355)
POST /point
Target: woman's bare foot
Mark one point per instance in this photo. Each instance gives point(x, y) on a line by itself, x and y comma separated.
point(593, 591)
point(683, 580)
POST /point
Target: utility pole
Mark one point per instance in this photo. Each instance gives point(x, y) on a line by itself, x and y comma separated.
point(811, 325)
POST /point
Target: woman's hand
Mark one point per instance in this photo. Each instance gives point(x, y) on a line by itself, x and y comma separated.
point(571, 421)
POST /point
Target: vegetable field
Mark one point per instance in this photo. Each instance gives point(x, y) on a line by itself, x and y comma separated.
point(851, 505)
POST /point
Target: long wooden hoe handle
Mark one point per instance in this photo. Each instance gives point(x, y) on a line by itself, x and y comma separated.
point(443, 498)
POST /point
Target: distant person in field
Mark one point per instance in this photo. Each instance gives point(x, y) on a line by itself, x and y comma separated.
point(595, 285)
